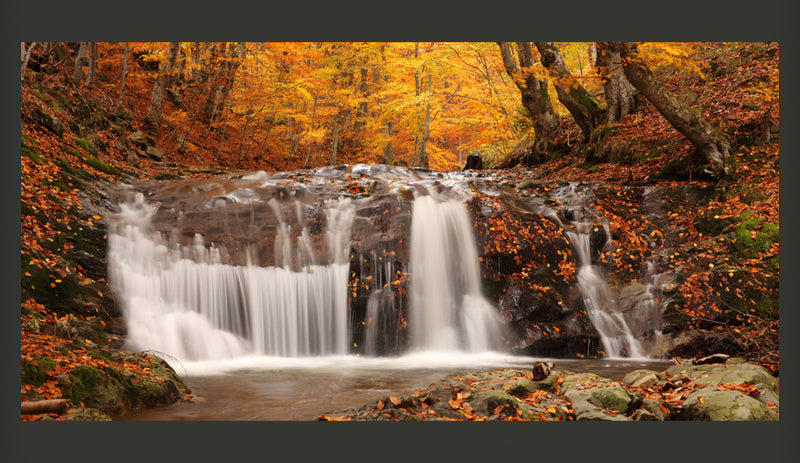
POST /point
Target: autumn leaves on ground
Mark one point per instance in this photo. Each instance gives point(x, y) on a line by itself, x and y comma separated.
point(207, 108)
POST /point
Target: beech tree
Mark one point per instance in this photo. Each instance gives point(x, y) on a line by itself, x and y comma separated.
point(77, 72)
point(154, 114)
point(26, 55)
point(534, 94)
point(618, 91)
point(711, 145)
point(570, 92)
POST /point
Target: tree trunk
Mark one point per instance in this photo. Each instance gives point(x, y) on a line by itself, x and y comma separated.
point(335, 141)
point(92, 63)
point(77, 72)
point(711, 145)
point(124, 75)
point(388, 150)
point(153, 118)
point(619, 92)
point(26, 55)
point(570, 92)
point(534, 94)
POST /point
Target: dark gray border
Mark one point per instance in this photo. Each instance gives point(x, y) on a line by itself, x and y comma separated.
point(396, 21)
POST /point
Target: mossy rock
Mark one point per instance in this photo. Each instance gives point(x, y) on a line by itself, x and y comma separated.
point(94, 388)
point(710, 404)
point(86, 414)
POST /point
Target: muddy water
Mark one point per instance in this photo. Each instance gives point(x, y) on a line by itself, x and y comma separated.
point(298, 393)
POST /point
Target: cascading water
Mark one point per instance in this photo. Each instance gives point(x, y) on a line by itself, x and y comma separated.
point(239, 288)
point(448, 311)
point(188, 303)
point(620, 324)
point(614, 332)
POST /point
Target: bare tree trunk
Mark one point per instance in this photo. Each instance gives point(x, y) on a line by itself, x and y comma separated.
point(388, 150)
point(711, 145)
point(570, 92)
point(124, 75)
point(619, 92)
point(77, 72)
point(26, 55)
point(92, 63)
point(156, 111)
point(534, 94)
point(335, 141)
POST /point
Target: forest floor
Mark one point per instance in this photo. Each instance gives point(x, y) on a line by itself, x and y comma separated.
point(72, 144)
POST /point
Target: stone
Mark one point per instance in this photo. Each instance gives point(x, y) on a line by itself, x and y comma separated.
point(541, 370)
point(141, 140)
point(132, 157)
point(154, 153)
point(642, 378)
point(710, 404)
point(49, 122)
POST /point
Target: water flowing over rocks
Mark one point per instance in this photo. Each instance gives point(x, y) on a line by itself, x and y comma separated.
point(529, 240)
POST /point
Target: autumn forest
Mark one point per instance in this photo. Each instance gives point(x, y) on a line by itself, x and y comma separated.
point(677, 143)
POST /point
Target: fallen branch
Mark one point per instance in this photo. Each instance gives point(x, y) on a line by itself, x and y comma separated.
point(37, 407)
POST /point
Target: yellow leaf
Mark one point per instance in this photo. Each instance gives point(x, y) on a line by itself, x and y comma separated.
point(394, 400)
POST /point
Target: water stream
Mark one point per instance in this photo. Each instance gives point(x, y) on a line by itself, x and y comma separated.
point(287, 288)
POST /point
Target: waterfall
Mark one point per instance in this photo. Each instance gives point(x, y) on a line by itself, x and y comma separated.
point(187, 302)
point(601, 307)
point(448, 311)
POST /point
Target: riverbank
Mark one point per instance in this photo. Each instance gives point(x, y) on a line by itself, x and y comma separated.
point(731, 391)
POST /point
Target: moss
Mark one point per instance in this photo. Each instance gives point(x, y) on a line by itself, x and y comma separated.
point(28, 151)
point(33, 373)
point(84, 143)
point(102, 166)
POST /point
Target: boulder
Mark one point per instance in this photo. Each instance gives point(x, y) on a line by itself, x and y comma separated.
point(49, 122)
point(643, 378)
point(141, 140)
point(154, 153)
point(710, 404)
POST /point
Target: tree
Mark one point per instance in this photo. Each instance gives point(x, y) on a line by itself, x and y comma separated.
point(711, 145)
point(26, 55)
point(124, 83)
point(618, 91)
point(154, 114)
point(534, 94)
point(92, 63)
point(570, 92)
point(77, 72)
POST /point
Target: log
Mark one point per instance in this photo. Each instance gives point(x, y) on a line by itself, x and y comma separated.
point(37, 407)
point(711, 359)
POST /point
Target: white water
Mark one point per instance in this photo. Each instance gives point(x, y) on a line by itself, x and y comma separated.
point(601, 307)
point(186, 303)
point(448, 312)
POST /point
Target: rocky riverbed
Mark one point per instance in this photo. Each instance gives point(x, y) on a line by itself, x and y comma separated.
point(713, 389)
